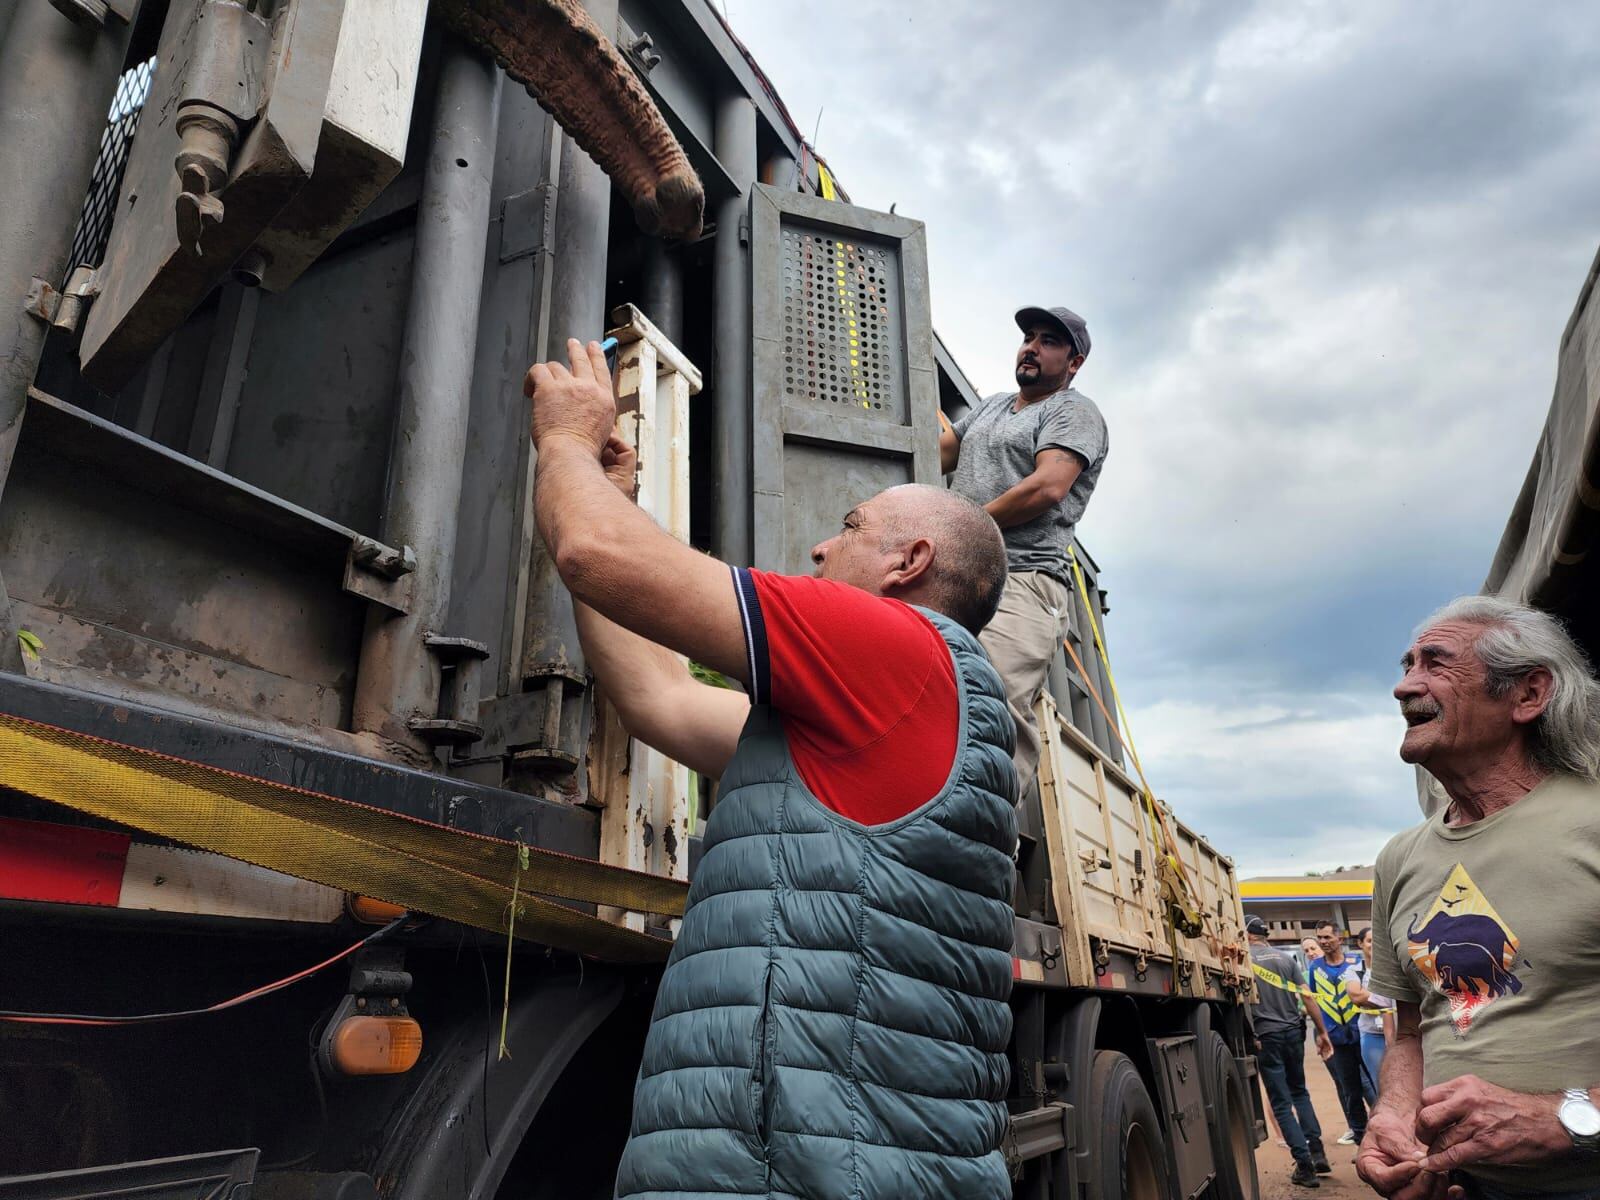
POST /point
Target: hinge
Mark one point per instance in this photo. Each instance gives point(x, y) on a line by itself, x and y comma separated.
point(460, 680)
point(543, 729)
point(64, 309)
point(744, 229)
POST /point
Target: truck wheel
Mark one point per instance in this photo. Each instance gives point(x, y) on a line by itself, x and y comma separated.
point(1129, 1155)
point(1232, 1123)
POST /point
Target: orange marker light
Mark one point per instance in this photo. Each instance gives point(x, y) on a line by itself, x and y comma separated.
point(372, 911)
point(374, 1045)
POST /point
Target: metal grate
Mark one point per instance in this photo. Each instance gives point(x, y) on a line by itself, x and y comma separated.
point(840, 339)
point(99, 206)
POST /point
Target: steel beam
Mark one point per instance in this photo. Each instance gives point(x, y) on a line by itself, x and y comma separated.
point(57, 80)
point(735, 139)
point(399, 678)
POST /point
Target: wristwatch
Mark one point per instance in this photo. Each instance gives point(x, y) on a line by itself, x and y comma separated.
point(1580, 1118)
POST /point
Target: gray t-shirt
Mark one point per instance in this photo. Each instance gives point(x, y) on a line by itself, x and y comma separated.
point(998, 449)
point(1278, 983)
point(1490, 929)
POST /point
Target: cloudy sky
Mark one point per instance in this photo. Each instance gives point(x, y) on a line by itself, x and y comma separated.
point(1326, 252)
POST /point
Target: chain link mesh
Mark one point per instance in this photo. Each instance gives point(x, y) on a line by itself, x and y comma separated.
point(99, 206)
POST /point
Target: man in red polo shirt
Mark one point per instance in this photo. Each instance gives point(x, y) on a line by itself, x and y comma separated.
point(868, 683)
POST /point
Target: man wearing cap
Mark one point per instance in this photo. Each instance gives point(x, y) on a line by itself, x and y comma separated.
point(1031, 457)
point(1277, 1021)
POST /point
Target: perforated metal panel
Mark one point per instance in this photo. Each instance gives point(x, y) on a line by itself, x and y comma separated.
point(844, 391)
point(841, 322)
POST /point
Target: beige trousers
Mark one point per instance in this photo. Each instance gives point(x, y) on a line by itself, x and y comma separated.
point(1022, 641)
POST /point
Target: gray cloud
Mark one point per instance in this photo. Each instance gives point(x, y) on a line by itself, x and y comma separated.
point(1327, 253)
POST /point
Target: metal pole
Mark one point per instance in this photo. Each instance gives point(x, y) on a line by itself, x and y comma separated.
point(56, 84)
point(399, 679)
point(663, 289)
point(577, 309)
point(582, 232)
point(734, 139)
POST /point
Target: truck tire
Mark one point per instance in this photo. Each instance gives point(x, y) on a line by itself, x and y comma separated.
point(1232, 1123)
point(1129, 1155)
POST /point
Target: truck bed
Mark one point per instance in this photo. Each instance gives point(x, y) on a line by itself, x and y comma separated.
point(1103, 852)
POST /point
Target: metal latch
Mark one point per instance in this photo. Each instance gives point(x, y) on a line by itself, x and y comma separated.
point(222, 93)
point(380, 573)
point(460, 680)
point(642, 53)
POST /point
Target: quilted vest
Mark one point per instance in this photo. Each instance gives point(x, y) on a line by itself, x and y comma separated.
point(833, 1020)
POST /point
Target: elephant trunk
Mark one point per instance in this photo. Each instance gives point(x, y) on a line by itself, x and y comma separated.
point(571, 68)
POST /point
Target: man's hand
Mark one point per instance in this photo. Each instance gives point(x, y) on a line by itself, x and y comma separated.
point(576, 402)
point(1467, 1120)
point(1390, 1158)
point(621, 463)
point(1324, 1046)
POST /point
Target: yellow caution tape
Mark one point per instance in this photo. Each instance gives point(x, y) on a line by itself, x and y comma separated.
point(421, 866)
point(825, 181)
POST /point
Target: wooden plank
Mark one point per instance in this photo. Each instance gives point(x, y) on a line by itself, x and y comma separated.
point(645, 799)
point(1119, 888)
point(1066, 877)
point(1147, 886)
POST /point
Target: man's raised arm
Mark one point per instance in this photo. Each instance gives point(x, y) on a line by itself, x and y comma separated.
point(611, 555)
point(636, 589)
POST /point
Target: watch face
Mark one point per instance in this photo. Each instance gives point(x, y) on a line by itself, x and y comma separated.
point(1580, 1117)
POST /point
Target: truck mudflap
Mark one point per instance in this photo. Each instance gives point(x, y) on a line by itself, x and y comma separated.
point(218, 1175)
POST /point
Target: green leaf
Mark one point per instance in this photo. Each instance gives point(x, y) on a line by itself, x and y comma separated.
point(709, 677)
point(30, 643)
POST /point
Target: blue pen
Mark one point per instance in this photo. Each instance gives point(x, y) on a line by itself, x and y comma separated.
point(609, 348)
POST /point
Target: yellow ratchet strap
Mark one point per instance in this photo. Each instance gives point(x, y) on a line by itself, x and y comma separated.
point(419, 865)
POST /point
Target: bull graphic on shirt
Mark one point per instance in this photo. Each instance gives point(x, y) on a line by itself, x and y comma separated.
point(1463, 948)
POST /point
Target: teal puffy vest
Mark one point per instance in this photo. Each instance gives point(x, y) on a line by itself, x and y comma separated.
point(833, 1020)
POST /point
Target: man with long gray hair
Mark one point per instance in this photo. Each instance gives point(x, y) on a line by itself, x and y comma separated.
point(1483, 918)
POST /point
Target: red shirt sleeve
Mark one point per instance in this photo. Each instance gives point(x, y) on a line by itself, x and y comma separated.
point(866, 686)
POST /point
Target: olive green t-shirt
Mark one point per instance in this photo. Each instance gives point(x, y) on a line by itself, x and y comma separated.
point(1491, 928)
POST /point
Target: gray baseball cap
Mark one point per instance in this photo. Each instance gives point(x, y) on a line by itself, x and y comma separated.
point(1254, 924)
point(1071, 323)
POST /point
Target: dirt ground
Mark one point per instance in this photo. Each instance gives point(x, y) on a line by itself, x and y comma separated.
point(1273, 1163)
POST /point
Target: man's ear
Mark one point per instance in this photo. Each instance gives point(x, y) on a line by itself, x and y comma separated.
point(1075, 363)
point(1531, 696)
point(910, 567)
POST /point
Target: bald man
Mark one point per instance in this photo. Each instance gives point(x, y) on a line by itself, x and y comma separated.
point(833, 1019)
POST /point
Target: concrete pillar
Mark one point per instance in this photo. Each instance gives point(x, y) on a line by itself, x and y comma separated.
point(399, 679)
